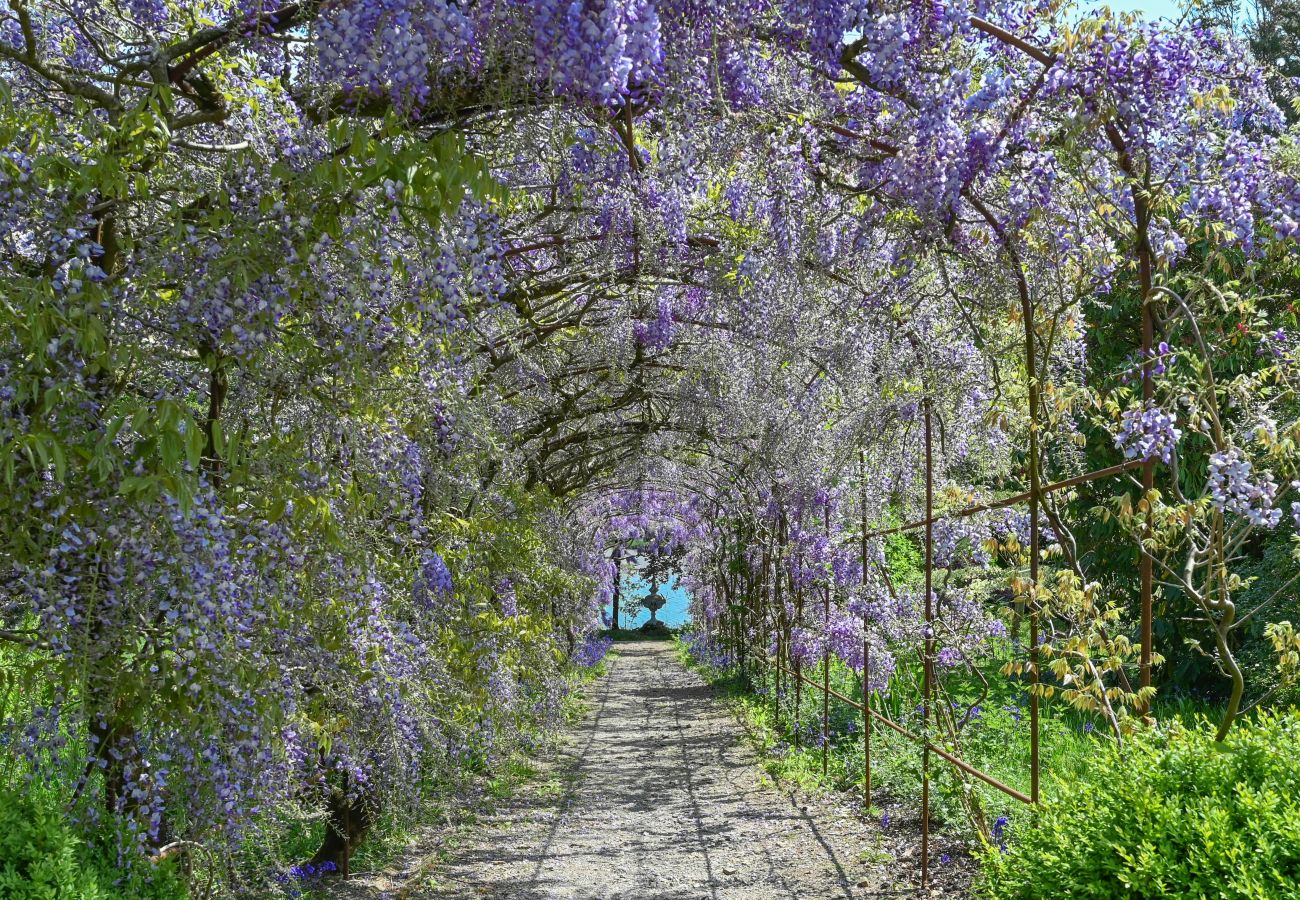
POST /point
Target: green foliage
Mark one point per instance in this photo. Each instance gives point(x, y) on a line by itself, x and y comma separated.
point(1176, 816)
point(1235, 302)
point(43, 858)
point(1271, 578)
point(903, 556)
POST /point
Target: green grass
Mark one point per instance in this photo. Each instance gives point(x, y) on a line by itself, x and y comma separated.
point(997, 741)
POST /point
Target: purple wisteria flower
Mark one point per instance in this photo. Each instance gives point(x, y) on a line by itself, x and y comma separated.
point(505, 591)
point(434, 582)
point(1233, 488)
point(1148, 433)
point(959, 542)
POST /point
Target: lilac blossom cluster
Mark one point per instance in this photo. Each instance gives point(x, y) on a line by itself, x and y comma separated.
point(844, 635)
point(1148, 433)
point(506, 597)
point(1007, 522)
point(657, 333)
point(705, 650)
point(1235, 488)
point(959, 542)
point(433, 584)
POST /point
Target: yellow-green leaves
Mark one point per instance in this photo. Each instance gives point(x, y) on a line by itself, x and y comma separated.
point(1286, 642)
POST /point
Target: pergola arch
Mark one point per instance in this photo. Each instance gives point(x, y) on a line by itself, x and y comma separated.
point(489, 273)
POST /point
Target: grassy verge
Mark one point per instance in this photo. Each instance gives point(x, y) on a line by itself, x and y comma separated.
point(995, 738)
point(447, 809)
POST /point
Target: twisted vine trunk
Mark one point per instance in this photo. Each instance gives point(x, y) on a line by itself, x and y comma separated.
point(349, 818)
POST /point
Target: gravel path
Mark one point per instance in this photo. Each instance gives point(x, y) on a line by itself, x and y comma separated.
point(659, 796)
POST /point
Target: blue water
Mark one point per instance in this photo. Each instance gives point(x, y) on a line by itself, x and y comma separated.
point(673, 613)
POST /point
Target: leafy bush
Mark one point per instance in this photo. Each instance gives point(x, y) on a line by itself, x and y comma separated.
point(43, 858)
point(1176, 815)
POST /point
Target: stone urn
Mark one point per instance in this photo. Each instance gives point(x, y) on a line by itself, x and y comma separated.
point(654, 602)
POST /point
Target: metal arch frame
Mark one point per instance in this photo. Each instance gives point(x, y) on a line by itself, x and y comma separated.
point(1033, 496)
point(784, 670)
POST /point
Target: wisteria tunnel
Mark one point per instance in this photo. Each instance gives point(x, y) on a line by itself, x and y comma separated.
point(372, 370)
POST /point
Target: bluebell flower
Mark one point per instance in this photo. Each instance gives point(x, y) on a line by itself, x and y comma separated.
point(999, 832)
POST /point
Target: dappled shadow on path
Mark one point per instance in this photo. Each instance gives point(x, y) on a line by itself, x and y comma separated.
point(660, 798)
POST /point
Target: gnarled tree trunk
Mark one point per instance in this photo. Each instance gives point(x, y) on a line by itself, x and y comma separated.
point(348, 822)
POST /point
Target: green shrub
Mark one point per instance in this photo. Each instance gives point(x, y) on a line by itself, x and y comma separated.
point(1176, 815)
point(42, 857)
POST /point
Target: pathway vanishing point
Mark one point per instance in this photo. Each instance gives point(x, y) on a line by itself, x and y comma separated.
point(657, 795)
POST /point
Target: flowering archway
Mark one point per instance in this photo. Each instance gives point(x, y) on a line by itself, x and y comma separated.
point(340, 339)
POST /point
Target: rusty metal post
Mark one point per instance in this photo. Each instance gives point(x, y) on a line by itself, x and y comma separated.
point(826, 657)
point(1148, 467)
point(1034, 676)
point(866, 649)
point(1034, 652)
point(796, 663)
point(779, 623)
point(928, 649)
point(1035, 496)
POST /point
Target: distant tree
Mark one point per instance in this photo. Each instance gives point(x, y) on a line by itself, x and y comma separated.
point(661, 566)
point(1274, 35)
point(1272, 29)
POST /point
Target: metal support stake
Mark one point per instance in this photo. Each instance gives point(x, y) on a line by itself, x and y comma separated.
point(826, 659)
point(796, 663)
point(866, 650)
point(1148, 474)
point(1034, 652)
point(928, 651)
